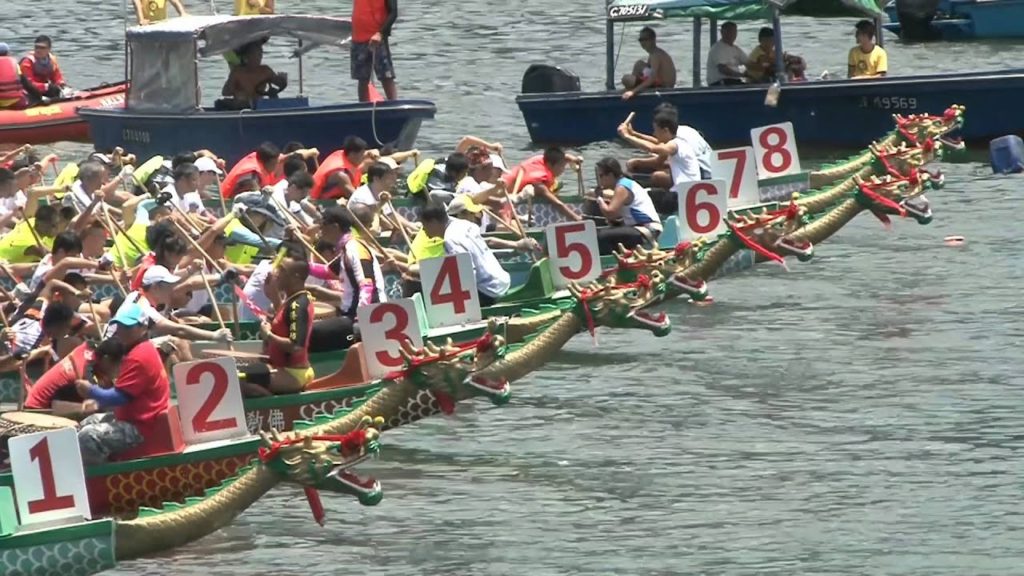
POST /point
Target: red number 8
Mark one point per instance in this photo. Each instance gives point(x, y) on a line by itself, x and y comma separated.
point(693, 207)
point(776, 149)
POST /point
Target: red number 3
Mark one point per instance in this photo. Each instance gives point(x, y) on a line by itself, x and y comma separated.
point(775, 150)
point(565, 249)
point(201, 421)
point(396, 333)
point(457, 296)
point(50, 501)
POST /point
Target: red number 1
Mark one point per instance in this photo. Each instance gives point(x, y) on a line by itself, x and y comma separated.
point(50, 501)
point(565, 249)
point(740, 157)
point(396, 333)
point(457, 296)
point(776, 149)
point(201, 421)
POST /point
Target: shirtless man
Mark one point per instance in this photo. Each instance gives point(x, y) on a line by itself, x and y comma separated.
point(659, 71)
point(252, 80)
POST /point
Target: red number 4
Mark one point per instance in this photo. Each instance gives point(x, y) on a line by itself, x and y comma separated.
point(50, 501)
point(457, 296)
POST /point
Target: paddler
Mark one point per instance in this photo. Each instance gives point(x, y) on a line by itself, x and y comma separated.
point(381, 178)
point(342, 171)
point(465, 208)
point(438, 179)
point(20, 244)
point(41, 73)
point(84, 368)
point(12, 91)
point(687, 135)
point(665, 142)
point(360, 272)
point(371, 53)
point(630, 207)
point(463, 236)
point(152, 11)
point(252, 173)
point(94, 180)
point(247, 233)
point(540, 172)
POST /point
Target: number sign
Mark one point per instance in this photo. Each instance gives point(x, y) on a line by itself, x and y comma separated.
point(42, 494)
point(209, 400)
point(702, 206)
point(384, 327)
point(737, 167)
point(775, 149)
point(451, 298)
point(572, 251)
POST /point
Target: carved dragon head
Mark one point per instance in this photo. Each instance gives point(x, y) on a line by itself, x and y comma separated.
point(889, 195)
point(325, 462)
point(902, 160)
point(639, 262)
point(451, 369)
point(605, 302)
point(769, 232)
point(916, 128)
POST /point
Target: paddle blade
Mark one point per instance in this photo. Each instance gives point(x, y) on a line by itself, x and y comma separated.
point(374, 94)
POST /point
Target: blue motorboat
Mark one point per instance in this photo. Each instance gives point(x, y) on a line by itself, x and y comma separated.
point(838, 114)
point(954, 20)
point(164, 115)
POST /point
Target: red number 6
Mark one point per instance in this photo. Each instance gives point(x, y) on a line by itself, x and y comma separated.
point(693, 208)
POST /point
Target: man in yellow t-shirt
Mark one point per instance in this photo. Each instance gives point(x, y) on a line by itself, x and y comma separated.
point(253, 7)
point(867, 59)
point(152, 11)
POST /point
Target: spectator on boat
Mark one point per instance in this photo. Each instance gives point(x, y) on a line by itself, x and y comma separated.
point(659, 71)
point(540, 172)
point(761, 64)
point(252, 173)
point(286, 337)
point(371, 53)
point(682, 160)
point(867, 59)
point(12, 93)
point(58, 388)
point(253, 7)
point(628, 208)
point(251, 81)
point(40, 72)
point(463, 236)
point(152, 11)
point(139, 396)
point(725, 59)
point(342, 171)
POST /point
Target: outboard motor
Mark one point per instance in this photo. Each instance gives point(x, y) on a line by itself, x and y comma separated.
point(542, 78)
point(916, 17)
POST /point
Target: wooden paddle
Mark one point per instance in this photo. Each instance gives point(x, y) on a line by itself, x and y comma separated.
point(508, 198)
point(298, 234)
point(199, 248)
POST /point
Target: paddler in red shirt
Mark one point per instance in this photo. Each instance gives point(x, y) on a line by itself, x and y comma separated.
point(85, 367)
point(540, 172)
point(371, 27)
point(286, 337)
point(253, 172)
point(141, 392)
point(41, 72)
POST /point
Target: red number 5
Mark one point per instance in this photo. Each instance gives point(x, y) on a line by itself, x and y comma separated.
point(564, 250)
point(693, 208)
point(396, 333)
point(201, 421)
point(457, 296)
point(50, 501)
point(775, 150)
point(739, 156)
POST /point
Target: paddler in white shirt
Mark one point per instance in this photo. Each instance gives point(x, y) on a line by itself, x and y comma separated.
point(682, 159)
point(463, 236)
point(687, 134)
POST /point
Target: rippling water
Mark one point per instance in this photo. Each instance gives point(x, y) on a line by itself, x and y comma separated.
point(859, 414)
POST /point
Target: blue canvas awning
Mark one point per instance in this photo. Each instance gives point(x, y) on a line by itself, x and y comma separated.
point(619, 10)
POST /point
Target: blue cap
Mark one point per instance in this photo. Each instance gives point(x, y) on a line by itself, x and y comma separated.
point(4, 49)
point(129, 315)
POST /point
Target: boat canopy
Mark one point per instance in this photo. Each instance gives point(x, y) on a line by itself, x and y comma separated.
point(164, 73)
point(622, 10)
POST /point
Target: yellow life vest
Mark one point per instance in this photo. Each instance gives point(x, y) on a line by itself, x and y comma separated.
point(154, 10)
point(124, 251)
point(424, 247)
point(66, 177)
point(239, 253)
point(146, 169)
point(417, 179)
point(14, 243)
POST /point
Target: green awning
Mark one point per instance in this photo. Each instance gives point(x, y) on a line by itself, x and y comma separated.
point(619, 10)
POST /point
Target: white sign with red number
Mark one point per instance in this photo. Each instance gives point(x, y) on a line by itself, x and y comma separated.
point(737, 167)
point(209, 400)
point(43, 494)
point(572, 252)
point(775, 150)
point(702, 208)
point(449, 290)
point(384, 327)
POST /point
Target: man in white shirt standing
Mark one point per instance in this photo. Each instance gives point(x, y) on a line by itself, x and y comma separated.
point(725, 59)
point(463, 237)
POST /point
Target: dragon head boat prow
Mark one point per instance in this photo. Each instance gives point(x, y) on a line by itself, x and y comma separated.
point(900, 196)
point(769, 233)
point(449, 367)
point(325, 462)
point(606, 302)
point(903, 159)
point(639, 262)
point(915, 128)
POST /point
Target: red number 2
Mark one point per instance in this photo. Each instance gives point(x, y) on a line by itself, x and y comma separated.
point(457, 296)
point(693, 207)
point(740, 157)
point(778, 149)
point(565, 249)
point(201, 421)
point(50, 501)
point(396, 333)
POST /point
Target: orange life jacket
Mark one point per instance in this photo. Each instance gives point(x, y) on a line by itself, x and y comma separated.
point(10, 79)
point(368, 17)
point(246, 166)
point(535, 171)
point(336, 162)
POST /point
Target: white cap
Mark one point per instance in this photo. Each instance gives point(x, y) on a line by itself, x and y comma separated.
point(497, 162)
point(156, 274)
point(206, 164)
point(389, 161)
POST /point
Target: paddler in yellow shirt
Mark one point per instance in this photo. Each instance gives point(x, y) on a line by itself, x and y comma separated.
point(152, 11)
point(22, 244)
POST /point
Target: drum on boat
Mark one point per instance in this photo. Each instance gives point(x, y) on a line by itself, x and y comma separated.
point(21, 423)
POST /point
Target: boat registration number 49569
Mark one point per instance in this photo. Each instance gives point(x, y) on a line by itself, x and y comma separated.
point(130, 135)
point(889, 102)
point(631, 11)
